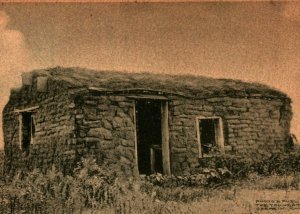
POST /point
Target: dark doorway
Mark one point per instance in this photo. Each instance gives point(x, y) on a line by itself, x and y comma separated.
point(208, 135)
point(149, 136)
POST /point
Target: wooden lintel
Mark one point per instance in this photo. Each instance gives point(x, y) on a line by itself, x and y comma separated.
point(124, 89)
point(133, 91)
point(97, 89)
point(30, 109)
point(147, 97)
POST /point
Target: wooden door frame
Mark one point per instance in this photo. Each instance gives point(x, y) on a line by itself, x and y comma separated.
point(164, 131)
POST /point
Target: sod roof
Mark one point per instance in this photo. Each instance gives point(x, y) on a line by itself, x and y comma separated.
point(187, 85)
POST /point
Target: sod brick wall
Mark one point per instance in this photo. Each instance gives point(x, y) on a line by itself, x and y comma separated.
point(73, 122)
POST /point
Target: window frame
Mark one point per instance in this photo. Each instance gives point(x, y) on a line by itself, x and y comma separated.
point(219, 135)
point(31, 111)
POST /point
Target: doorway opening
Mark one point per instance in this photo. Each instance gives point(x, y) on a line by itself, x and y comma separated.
point(149, 136)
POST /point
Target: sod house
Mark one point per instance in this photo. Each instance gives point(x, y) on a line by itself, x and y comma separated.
point(140, 122)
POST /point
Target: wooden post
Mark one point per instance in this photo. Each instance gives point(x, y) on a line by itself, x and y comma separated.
point(152, 160)
point(220, 136)
point(32, 129)
point(20, 130)
point(135, 140)
point(198, 136)
point(165, 138)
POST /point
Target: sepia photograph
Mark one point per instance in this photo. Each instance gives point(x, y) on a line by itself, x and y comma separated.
point(149, 107)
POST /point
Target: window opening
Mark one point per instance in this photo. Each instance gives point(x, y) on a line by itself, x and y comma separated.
point(210, 136)
point(27, 131)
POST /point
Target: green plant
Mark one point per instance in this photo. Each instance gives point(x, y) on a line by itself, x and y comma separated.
point(94, 187)
point(281, 164)
point(241, 167)
point(91, 186)
point(97, 184)
point(205, 177)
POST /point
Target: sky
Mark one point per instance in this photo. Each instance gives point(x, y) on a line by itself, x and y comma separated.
point(256, 42)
